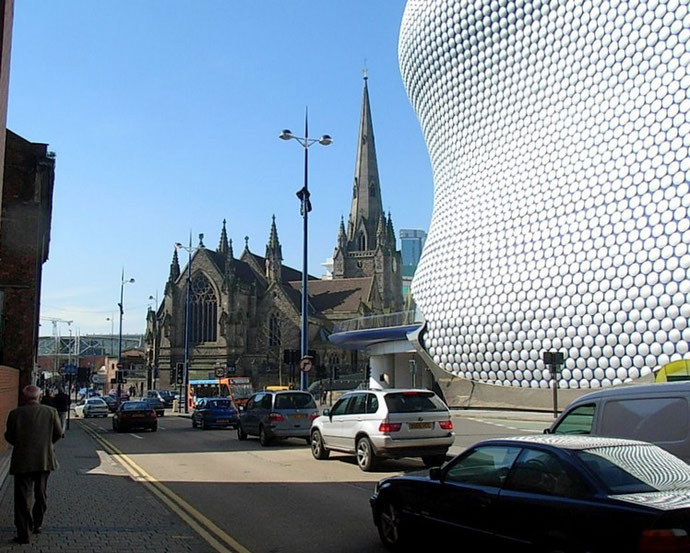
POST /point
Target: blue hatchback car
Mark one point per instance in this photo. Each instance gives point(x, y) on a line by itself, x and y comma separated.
point(215, 412)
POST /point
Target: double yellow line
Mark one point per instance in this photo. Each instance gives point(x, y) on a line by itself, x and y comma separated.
point(214, 536)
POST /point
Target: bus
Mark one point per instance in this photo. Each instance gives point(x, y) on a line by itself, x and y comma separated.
point(239, 388)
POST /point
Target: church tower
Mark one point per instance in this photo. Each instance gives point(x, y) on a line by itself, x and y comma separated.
point(367, 248)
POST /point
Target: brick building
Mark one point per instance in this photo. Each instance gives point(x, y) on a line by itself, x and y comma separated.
point(27, 202)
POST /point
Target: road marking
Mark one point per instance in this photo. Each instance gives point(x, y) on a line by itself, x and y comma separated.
point(137, 436)
point(214, 536)
point(484, 421)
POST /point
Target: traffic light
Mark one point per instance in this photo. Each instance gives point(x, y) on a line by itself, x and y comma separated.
point(180, 373)
point(368, 375)
point(173, 375)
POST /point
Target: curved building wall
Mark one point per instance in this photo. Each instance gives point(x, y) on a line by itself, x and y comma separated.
point(558, 132)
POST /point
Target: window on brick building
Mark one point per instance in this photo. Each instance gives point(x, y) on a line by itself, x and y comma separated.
point(203, 315)
point(274, 331)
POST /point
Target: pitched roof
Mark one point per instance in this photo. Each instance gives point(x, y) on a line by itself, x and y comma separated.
point(340, 295)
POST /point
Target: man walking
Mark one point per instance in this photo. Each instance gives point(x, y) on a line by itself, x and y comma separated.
point(62, 403)
point(32, 429)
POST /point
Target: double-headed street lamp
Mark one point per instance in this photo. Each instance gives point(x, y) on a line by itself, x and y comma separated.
point(305, 208)
point(185, 369)
point(119, 373)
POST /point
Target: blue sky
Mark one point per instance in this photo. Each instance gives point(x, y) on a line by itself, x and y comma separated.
point(164, 116)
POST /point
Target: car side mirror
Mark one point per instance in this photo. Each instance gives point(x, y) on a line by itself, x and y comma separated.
point(435, 473)
point(327, 413)
point(240, 408)
point(547, 431)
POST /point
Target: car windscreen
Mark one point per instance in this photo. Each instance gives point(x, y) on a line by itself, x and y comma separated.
point(218, 404)
point(134, 406)
point(294, 401)
point(413, 402)
point(636, 468)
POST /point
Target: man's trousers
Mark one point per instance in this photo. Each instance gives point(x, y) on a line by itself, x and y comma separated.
point(29, 487)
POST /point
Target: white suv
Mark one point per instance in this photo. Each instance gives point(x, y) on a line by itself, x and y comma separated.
point(385, 423)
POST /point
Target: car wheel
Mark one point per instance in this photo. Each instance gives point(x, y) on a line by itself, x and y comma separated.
point(264, 440)
point(193, 423)
point(154, 428)
point(433, 460)
point(366, 458)
point(241, 434)
point(203, 424)
point(390, 526)
point(317, 449)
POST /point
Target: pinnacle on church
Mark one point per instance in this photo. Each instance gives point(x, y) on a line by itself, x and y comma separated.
point(273, 241)
point(174, 267)
point(223, 247)
point(366, 194)
point(391, 232)
point(381, 230)
point(274, 255)
point(231, 255)
point(342, 238)
point(246, 243)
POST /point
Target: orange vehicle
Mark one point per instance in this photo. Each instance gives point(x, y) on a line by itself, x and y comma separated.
point(239, 388)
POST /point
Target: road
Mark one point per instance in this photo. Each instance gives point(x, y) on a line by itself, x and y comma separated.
point(278, 499)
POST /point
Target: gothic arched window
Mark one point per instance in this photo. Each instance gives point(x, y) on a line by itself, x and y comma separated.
point(203, 316)
point(274, 331)
point(362, 242)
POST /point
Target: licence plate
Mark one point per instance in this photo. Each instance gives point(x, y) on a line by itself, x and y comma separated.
point(299, 416)
point(221, 420)
point(138, 416)
point(420, 425)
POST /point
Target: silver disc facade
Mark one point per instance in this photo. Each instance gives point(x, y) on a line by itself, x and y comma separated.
point(558, 132)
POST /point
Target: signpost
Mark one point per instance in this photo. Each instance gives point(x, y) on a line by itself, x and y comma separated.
point(554, 360)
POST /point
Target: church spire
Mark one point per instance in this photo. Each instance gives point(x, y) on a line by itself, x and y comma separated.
point(366, 191)
point(223, 247)
point(174, 267)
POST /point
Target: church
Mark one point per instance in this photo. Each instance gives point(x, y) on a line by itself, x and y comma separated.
point(244, 312)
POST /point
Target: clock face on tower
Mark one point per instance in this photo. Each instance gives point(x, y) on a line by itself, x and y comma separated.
point(558, 134)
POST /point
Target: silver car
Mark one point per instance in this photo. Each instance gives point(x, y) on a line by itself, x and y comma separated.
point(92, 407)
point(283, 414)
point(385, 423)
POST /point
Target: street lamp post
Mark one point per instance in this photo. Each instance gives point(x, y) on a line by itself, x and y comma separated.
point(190, 251)
point(118, 372)
point(154, 358)
point(305, 208)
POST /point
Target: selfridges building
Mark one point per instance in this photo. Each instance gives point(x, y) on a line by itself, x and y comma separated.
point(558, 132)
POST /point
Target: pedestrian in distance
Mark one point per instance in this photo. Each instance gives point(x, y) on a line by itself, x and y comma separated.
point(62, 403)
point(32, 429)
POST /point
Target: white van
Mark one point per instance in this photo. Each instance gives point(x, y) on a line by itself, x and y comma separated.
point(656, 413)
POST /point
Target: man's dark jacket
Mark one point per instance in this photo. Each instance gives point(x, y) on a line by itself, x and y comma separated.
point(33, 429)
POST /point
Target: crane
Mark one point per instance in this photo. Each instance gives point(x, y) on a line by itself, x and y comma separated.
point(56, 335)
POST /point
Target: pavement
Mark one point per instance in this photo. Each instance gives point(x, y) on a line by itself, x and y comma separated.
point(94, 505)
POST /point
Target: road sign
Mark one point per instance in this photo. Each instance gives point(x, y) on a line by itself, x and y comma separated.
point(220, 372)
point(306, 364)
point(69, 369)
point(120, 365)
point(98, 379)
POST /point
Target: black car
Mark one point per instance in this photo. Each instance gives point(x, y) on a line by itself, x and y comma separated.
point(134, 414)
point(166, 396)
point(111, 402)
point(156, 404)
point(544, 493)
